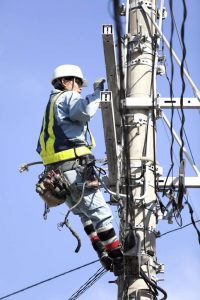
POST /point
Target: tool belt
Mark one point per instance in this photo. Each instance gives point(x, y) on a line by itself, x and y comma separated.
point(52, 188)
point(83, 164)
point(72, 164)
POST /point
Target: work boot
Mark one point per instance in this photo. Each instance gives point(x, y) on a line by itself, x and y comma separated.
point(117, 261)
point(105, 260)
point(118, 266)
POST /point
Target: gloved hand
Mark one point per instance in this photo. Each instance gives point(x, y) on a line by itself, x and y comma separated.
point(99, 84)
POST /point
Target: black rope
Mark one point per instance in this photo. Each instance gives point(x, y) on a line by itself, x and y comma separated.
point(73, 232)
point(43, 281)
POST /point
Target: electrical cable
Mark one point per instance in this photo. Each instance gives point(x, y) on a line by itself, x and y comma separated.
point(179, 38)
point(154, 43)
point(176, 229)
point(192, 218)
point(180, 42)
point(182, 77)
point(88, 283)
point(51, 278)
point(154, 286)
point(171, 97)
point(185, 134)
point(181, 189)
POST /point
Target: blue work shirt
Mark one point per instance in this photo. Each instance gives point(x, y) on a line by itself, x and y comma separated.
point(73, 112)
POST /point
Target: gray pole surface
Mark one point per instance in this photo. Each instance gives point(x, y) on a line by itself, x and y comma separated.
point(139, 217)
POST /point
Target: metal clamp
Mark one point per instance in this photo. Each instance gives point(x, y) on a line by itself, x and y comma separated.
point(139, 61)
point(137, 4)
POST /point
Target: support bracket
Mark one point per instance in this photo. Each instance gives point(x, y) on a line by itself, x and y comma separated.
point(190, 182)
point(109, 126)
point(147, 102)
point(111, 72)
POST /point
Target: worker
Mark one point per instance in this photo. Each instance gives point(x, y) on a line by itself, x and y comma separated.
point(63, 144)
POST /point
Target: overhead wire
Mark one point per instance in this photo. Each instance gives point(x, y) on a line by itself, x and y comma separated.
point(176, 229)
point(182, 77)
point(192, 218)
point(171, 97)
point(48, 279)
point(154, 43)
point(182, 116)
point(188, 143)
point(88, 283)
point(183, 47)
point(181, 189)
point(185, 134)
point(180, 42)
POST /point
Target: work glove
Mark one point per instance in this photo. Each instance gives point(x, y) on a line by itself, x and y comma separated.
point(99, 84)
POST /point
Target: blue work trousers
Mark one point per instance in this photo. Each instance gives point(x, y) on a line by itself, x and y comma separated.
point(92, 206)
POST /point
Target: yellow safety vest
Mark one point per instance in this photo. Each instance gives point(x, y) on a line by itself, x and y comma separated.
point(47, 145)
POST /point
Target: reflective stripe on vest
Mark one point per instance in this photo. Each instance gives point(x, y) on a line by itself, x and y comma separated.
point(48, 153)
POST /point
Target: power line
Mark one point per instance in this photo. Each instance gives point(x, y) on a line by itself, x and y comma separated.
point(51, 278)
point(176, 229)
point(88, 283)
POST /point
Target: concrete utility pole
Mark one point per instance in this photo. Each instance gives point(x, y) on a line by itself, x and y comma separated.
point(140, 221)
point(130, 139)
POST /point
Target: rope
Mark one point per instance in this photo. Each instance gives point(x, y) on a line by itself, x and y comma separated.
point(24, 167)
point(73, 232)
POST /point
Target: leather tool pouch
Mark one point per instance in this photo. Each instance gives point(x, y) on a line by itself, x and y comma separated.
point(52, 188)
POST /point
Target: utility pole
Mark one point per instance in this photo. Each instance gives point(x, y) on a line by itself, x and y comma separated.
point(130, 137)
point(139, 221)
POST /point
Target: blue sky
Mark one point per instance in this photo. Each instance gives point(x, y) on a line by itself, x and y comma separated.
point(35, 37)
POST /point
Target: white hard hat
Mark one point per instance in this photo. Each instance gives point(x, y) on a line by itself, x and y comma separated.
point(68, 71)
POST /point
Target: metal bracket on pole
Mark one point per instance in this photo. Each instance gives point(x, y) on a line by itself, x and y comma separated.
point(175, 103)
point(111, 71)
point(108, 117)
point(147, 102)
point(137, 4)
point(190, 182)
point(137, 102)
